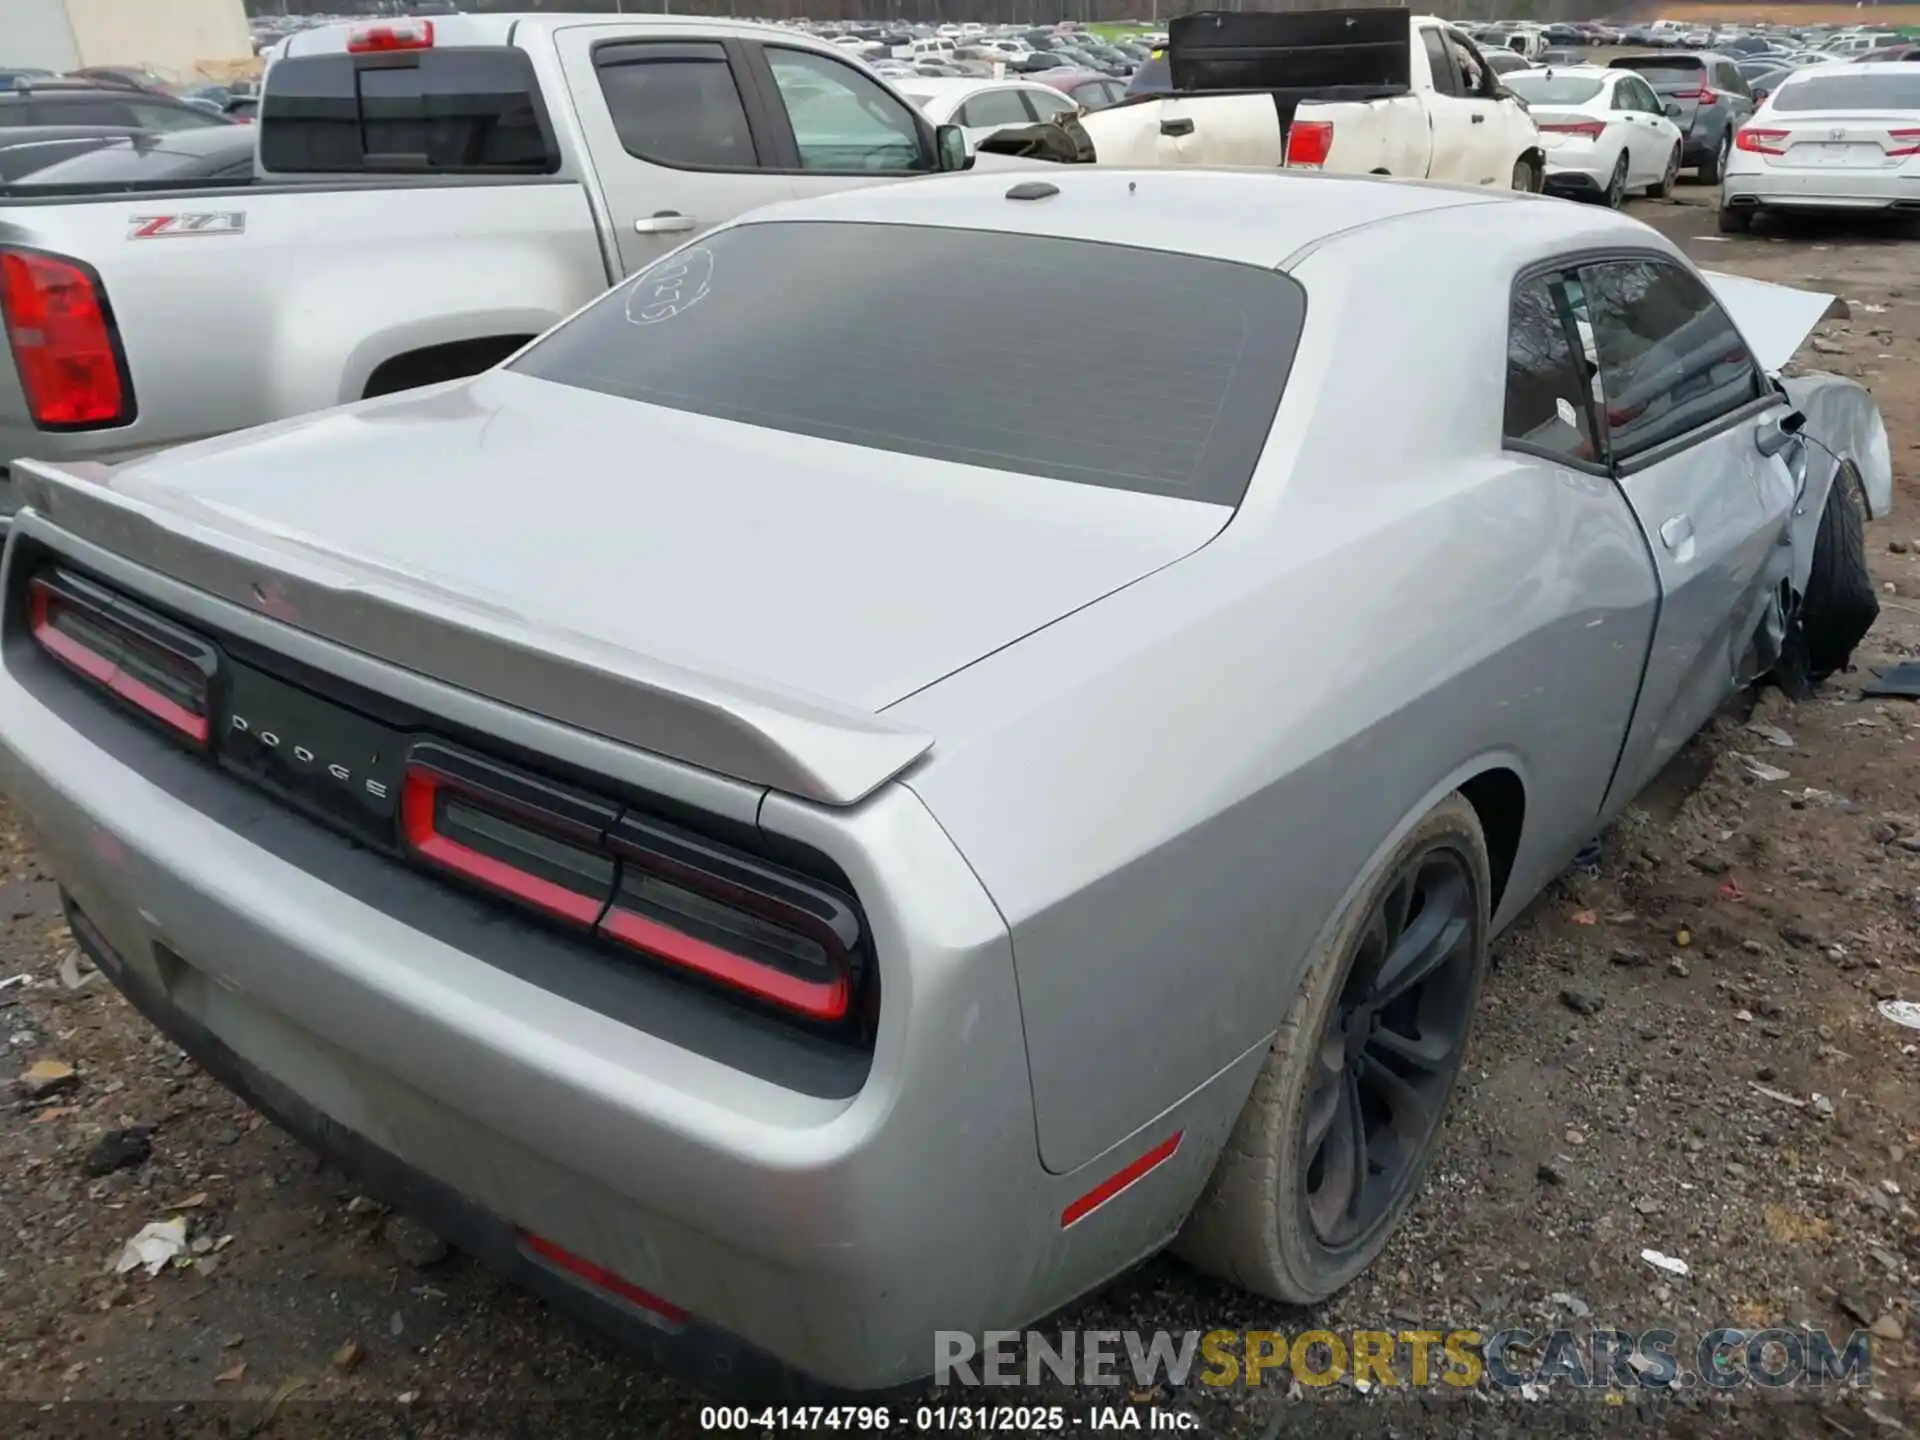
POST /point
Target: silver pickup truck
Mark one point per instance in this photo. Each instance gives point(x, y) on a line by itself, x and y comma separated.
point(430, 195)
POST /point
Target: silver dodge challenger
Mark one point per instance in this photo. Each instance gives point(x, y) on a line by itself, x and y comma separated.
point(789, 831)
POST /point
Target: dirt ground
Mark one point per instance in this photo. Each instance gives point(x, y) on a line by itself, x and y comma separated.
point(1678, 1052)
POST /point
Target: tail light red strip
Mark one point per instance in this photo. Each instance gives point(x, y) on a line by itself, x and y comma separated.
point(419, 806)
point(816, 1000)
point(602, 1278)
point(48, 601)
point(647, 886)
point(1114, 1184)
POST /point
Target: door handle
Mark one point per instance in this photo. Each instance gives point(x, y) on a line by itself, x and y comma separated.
point(1676, 532)
point(663, 222)
point(1479, 119)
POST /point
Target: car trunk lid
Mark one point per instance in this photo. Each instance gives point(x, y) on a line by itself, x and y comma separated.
point(1833, 140)
point(767, 595)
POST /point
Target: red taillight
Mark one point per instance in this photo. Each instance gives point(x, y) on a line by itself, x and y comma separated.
point(1906, 142)
point(62, 337)
point(506, 833)
point(602, 1278)
point(1309, 142)
point(773, 936)
point(1760, 142)
point(650, 887)
point(394, 35)
point(159, 670)
point(1585, 129)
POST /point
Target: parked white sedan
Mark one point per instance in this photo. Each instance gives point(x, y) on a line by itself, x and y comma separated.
point(1835, 137)
point(1604, 132)
point(981, 107)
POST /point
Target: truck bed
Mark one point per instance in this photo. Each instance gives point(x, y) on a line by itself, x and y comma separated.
point(226, 296)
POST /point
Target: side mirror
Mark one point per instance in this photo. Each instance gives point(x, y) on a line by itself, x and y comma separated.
point(1777, 435)
point(950, 141)
point(1673, 110)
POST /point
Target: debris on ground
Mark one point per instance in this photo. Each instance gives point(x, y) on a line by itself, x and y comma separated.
point(46, 1078)
point(118, 1149)
point(1668, 1263)
point(156, 1245)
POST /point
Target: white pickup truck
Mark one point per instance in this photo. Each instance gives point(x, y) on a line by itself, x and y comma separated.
point(431, 195)
point(1364, 92)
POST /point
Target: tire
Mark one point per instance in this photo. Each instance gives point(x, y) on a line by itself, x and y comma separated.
point(1616, 192)
point(1523, 176)
point(1254, 1226)
point(1735, 222)
point(1714, 169)
point(1664, 188)
point(1841, 603)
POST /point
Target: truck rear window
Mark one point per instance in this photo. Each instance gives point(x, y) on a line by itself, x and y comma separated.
point(459, 111)
point(972, 346)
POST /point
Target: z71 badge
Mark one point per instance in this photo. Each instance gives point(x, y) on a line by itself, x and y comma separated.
point(167, 227)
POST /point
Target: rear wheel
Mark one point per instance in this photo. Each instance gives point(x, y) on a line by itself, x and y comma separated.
point(1734, 222)
point(1672, 173)
point(1712, 170)
point(1616, 195)
point(1345, 1115)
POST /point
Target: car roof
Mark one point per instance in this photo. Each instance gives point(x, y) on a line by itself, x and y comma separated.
point(947, 85)
point(1253, 216)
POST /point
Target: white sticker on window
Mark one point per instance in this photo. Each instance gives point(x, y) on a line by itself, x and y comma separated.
point(1567, 413)
point(672, 287)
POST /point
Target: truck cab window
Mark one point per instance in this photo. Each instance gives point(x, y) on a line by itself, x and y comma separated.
point(1446, 76)
point(842, 120)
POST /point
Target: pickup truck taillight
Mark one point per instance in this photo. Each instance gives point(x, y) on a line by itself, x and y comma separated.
point(64, 343)
point(1309, 142)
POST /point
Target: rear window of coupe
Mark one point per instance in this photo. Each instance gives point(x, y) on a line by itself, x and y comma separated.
point(1850, 92)
point(1103, 364)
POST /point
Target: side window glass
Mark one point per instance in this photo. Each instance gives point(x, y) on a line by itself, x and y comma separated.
point(995, 107)
point(843, 120)
point(1465, 64)
point(1670, 359)
point(171, 117)
point(677, 105)
point(1045, 107)
point(81, 112)
point(1445, 78)
point(1547, 407)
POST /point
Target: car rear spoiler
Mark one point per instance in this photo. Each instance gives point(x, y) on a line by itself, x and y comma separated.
point(1774, 320)
point(1354, 53)
point(799, 744)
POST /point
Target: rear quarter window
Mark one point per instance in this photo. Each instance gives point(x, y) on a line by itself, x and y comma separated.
point(963, 345)
point(462, 111)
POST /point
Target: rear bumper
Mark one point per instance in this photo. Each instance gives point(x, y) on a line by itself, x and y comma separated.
point(1821, 190)
point(802, 1229)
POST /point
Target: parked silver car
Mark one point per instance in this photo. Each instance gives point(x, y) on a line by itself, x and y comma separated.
point(789, 834)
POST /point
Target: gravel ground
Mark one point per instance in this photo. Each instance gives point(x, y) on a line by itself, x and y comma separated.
point(1679, 1051)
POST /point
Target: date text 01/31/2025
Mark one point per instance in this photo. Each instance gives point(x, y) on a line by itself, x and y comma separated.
point(925, 1419)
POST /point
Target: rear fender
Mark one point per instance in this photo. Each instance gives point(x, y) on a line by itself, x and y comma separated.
point(335, 327)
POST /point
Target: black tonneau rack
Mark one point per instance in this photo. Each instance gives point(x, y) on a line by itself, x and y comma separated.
point(1300, 54)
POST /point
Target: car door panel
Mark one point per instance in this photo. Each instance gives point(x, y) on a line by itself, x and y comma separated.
point(1683, 400)
point(1485, 159)
point(668, 124)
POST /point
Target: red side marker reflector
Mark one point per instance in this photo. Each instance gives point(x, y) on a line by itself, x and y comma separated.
point(1114, 1184)
point(603, 1279)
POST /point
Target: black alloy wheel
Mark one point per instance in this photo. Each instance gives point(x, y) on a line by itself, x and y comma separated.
point(1391, 1048)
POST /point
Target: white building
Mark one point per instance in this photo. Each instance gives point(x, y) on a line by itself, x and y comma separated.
point(171, 37)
